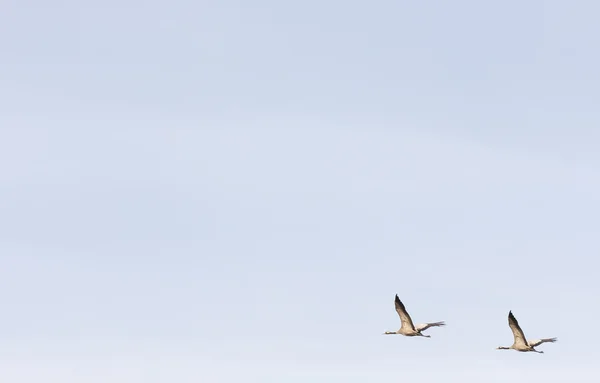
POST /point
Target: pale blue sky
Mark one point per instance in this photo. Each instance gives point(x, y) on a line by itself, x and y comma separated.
point(222, 190)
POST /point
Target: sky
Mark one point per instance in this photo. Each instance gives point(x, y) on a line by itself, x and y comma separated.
point(216, 191)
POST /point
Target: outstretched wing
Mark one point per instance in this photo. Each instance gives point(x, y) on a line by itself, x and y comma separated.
point(516, 330)
point(425, 326)
point(537, 342)
point(407, 322)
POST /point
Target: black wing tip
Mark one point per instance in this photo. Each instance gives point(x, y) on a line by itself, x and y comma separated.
point(398, 302)
point(512, 318)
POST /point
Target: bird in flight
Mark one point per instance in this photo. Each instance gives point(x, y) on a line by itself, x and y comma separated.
point(521, 343)
point(407, 327)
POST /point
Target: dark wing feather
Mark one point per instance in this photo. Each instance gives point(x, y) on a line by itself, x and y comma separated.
point(407, 322)
point(516, 330)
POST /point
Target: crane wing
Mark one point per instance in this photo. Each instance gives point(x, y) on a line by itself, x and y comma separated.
point(516, 330)
point(537, 342)
point(425, 326)
point(407, 322)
